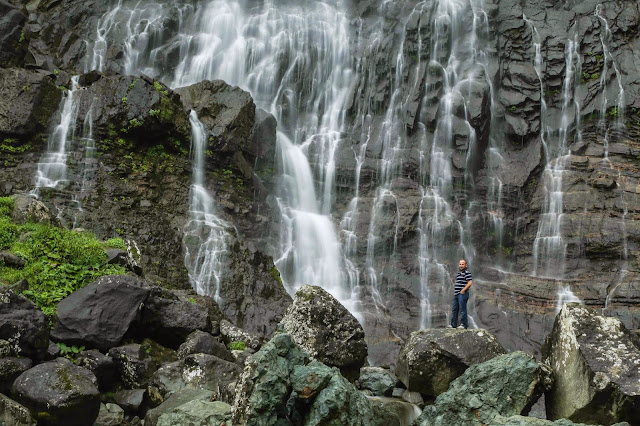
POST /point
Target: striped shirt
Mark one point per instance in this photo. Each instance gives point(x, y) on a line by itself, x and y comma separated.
point(461, 281)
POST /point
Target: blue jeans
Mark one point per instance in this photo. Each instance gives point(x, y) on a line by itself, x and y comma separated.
point(460, 303)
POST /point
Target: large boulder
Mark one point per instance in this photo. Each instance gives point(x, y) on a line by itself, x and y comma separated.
point(170, 316)
point(198, 412)
point(100, 314)
point(10, 369)
point(23, 325)
point(198, 371)
point(379, 381)
point(132, 364)
point(110, 415)
point(175, 401)
point(432, 358)
point(326, 330)
point(507, 385)
point(279, 386)
point(58, 392)
point(596, 362)
point(14, 414)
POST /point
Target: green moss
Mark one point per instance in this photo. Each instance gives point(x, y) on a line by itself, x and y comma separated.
point(116, 243)
point(275, 274)
point(64, 381)
point(160, 88)
point(237, 346)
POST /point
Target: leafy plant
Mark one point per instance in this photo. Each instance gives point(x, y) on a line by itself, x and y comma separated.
point(124, 100)
point(6, 205)
point(116, 243)
point(154, 112)
point(159, 88)
point(70, 352)
point(237, 346)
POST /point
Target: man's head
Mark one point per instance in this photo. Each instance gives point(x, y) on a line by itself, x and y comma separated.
point(462, 264)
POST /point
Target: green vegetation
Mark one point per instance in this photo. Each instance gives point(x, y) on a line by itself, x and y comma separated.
point(613, 112)
point(134, 122)
point(590, 77)
point(275, 274)
point(237, 346)
point(57, 261)
point(154, 112)
point(132, 85)
point(124, 100)
point(513, 108)
point(116, 243)
point(159, 88)
point(191, 300)
point(70, 352)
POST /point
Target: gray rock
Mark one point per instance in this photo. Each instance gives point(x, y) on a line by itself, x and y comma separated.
point(100, 314)
point(596, 362)
point(10, 369)
point(11, 260)
point(53, 351)
point(326, 330)
point(110, 415)
point(174, 401)
point(23, 325)
point(130, 400)
point(378, 380)
point(204, 343)
point(507, 385)
point(14, 414)
point(432, 358)
point(58, 392)
point(198, 371)
point(12, 20)
point(230, 333)
point(197, 413)
point(100, 365)
point(5, 348)
point(28, 209)
point(133, 367)
point(169, 317)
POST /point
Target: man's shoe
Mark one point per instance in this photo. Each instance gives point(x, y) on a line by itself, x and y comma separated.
point(449, 326)
point(462, 327)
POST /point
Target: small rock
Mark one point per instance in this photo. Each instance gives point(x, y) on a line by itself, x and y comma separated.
point(230, 333)
point(174, 401)
point(10, 369)
point(378, 380)
point(197, 412)
point(100, 365)
point(110, 415)
point(11, 260)
point(204, 343)
point(23, 325)
point(130, 400)
point(132, 365)
point(53, 351)
point(28, 209)
point(14, 414)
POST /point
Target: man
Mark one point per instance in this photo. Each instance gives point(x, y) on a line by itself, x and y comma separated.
point(464, 280)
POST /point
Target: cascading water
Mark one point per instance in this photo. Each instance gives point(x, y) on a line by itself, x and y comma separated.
point(296, 63)
point(52, 167)
point(457, 60)
point(549, 248)
point(205, 234)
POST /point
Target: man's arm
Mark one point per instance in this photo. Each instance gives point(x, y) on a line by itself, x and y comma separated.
point(469, 284)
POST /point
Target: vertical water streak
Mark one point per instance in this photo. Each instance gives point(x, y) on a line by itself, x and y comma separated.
point(52, 167)
point(205, 234)
point(549, 247)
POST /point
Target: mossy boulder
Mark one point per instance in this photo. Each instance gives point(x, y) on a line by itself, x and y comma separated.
point(59, 393)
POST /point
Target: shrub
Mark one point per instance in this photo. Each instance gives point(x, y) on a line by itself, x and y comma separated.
point(116, 243)
point(237, 346)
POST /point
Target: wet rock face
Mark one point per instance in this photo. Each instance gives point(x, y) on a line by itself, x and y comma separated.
point(326, 330)
point(58, 392)
point(23, 325)
point(100, 314)
point(507, 385)
point(431, 359)
point(596, 362)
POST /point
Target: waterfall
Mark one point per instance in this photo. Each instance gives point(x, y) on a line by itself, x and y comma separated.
point(458, 59)
point(205, 234)
point(52, 167)
point(549, 247)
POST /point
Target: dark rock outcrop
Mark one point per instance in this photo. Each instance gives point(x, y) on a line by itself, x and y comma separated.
point(58, 392)
point(505, 386)
point(326, 330)
point(100, 314)
point(23, 325)
point(133, 365)
point(596, 362)
point(432, 358)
